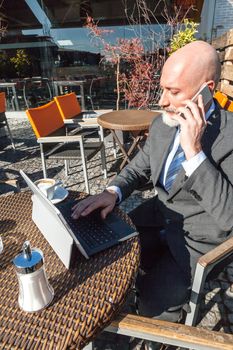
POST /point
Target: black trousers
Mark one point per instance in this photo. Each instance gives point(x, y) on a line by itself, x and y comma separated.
point(162, 287)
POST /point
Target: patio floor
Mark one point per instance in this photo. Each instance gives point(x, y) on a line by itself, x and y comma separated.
point(217, 306)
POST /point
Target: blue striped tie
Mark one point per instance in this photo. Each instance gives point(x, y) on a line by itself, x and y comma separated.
point(174, 168)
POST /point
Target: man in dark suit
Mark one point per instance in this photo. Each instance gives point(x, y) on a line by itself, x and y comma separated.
point(189, 157)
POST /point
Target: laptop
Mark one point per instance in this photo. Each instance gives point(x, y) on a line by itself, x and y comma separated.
point(89, 234)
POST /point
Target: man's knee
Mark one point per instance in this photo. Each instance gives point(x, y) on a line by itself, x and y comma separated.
point(162, 290)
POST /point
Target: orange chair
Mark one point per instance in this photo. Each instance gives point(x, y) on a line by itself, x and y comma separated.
point(224, 101)
point(51, 134)
point(69, 106)
point(3, 119)
point(72, 114)
point(221, 98)
point(70, 109)
point(229, 106)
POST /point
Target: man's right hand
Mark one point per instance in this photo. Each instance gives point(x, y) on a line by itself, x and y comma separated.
point(105, 200)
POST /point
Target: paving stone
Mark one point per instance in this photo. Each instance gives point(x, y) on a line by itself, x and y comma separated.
point(210, 319)
point(214, 295)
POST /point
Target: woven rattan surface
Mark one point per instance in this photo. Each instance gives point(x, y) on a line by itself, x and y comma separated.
point(86, 297)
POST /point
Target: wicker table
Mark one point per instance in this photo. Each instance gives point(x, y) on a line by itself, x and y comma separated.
point(87, 297)
point(137, 122)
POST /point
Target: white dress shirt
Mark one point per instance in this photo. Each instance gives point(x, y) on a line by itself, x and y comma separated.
point(189, 165)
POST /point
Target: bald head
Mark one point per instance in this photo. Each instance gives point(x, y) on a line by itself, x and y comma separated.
point(197, 62)
point(184, 73)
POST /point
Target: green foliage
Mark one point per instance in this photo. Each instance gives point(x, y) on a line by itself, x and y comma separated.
point(21, 62)
point(184, 36)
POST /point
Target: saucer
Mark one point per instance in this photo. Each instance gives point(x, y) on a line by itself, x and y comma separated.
point(59, 195)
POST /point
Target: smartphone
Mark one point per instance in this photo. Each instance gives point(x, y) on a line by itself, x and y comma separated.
point(204, 91)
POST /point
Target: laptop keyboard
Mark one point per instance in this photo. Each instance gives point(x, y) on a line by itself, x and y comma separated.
point(91, 231)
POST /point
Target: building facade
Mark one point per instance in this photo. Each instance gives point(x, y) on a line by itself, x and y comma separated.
point(47, 41)
point(216, 18)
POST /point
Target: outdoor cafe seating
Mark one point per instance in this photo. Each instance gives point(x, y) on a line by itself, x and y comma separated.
point(36, 91)
point(55, 143)
point(72, 113)
point(88, 302)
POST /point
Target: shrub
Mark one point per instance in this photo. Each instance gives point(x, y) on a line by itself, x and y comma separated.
point(184, 36)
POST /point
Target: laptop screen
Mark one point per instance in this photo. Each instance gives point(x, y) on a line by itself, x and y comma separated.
point(53, 214)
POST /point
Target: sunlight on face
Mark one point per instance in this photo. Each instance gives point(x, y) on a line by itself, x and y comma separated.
point(168, 120)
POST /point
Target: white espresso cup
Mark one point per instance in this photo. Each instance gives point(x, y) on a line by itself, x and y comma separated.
point(47, 186)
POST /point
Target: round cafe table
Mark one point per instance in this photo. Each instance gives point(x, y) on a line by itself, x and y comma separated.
point(136, 122)
point(87, 297)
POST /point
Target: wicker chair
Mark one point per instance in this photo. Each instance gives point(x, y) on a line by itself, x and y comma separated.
point(3, 119)
point(55, 143)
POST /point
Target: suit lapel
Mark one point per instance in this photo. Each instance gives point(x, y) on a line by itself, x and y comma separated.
point(213, 133)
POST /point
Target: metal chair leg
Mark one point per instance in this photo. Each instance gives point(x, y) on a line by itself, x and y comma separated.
point(103, 162)
point(66, 167)
point(84, 167)
point(43, 161)
point(10, 135)
point(114, 148)
point(102, 152)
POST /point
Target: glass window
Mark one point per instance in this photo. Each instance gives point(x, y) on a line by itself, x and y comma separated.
point(46, 42)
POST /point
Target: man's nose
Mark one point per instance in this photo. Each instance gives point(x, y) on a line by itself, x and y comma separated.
point(163, 101)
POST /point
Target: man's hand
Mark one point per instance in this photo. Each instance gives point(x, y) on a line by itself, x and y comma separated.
point(105, 200)
point(192, 125)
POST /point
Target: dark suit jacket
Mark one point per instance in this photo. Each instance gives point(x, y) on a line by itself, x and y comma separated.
point(198, 211)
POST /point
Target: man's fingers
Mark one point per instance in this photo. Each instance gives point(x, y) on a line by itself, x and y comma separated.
point(104, 212)
point(180, 118)
point(105, 200)
point(91, 207)
point(82, 206)
point(197, 110)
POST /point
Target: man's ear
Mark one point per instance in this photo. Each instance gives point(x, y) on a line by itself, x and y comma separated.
point(211, 85)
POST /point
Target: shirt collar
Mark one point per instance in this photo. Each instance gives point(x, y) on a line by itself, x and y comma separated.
point(210, 110)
